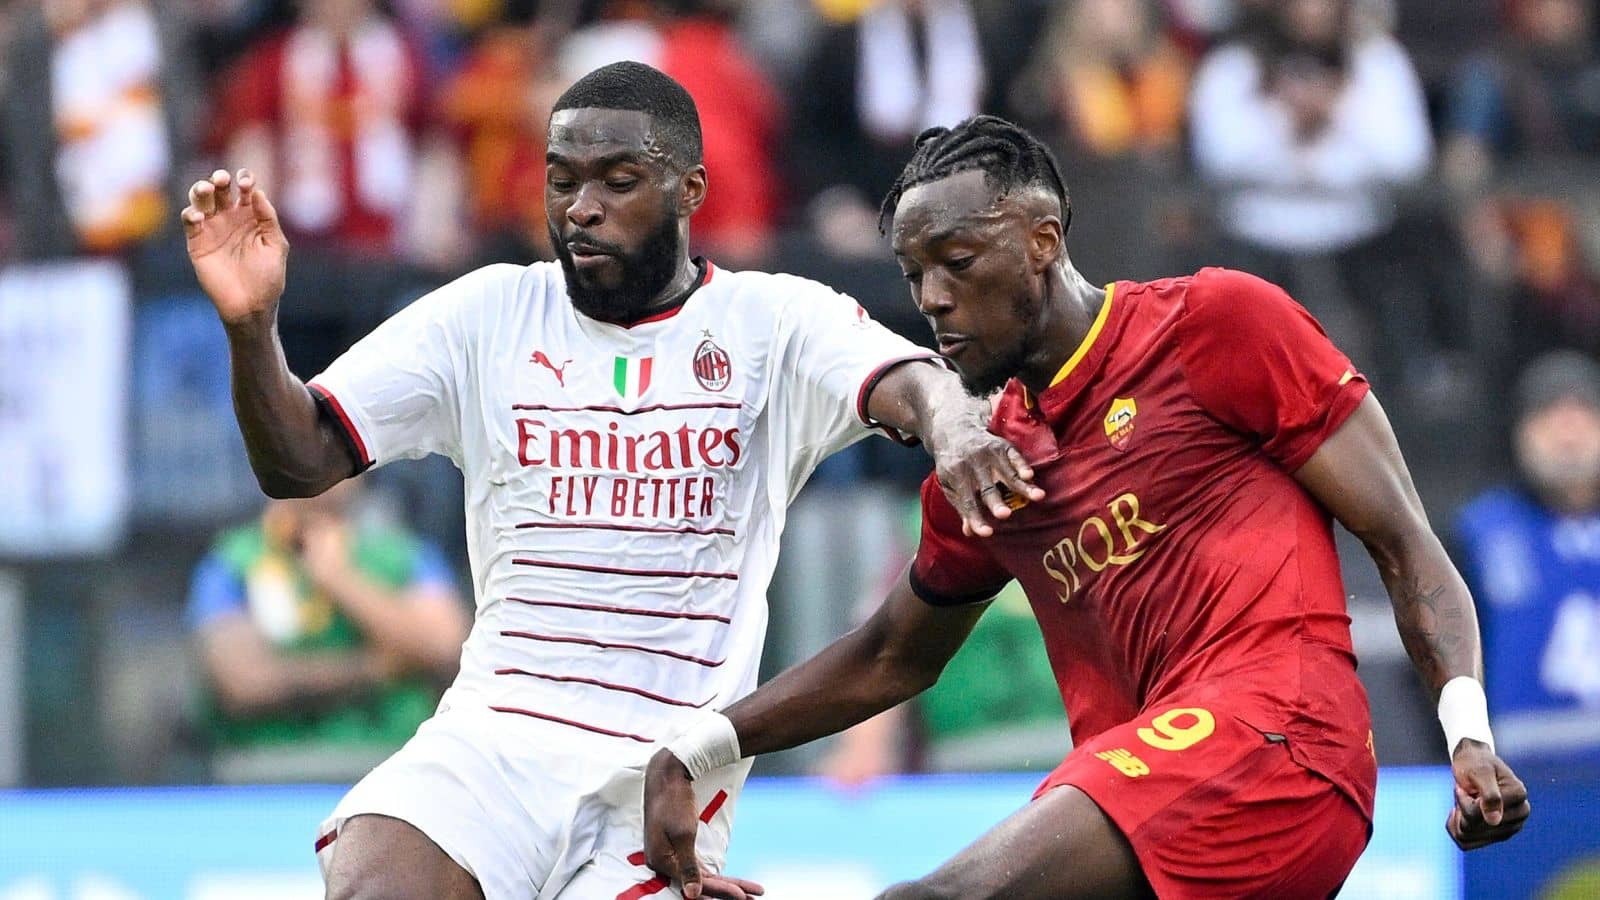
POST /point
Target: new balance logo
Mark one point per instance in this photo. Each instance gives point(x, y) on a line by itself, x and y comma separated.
point(1124, 762)
point(538, 358)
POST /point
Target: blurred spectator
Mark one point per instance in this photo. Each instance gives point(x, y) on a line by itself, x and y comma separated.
point(1115, 83)
point(870, 86)
point(1535, 95)
point(1305, 130)
point(498, 104)
point(1532, 554)
point(333, 110)
point(97, 108)
point(325, 642)
point(741, 112)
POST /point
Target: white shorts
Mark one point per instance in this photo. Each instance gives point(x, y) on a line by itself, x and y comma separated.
point(531, 813)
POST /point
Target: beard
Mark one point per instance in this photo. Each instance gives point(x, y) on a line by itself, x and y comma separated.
point(645, 273)
point(1003, 366)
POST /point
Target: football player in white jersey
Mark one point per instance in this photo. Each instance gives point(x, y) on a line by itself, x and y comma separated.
point(631, 425)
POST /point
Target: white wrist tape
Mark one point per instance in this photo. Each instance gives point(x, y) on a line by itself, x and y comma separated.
point(1464, 713)
point(710, 743)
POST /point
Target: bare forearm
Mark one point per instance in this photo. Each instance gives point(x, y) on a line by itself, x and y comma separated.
point(847, 683)
point(293, 452)
point(927, 401)
point(294, 683)
point(406, 630)
point(1433, 611)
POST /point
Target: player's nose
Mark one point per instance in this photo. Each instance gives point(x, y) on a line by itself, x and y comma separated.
point(586, 210)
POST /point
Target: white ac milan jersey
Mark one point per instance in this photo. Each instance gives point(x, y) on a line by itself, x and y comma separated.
point(625, 486)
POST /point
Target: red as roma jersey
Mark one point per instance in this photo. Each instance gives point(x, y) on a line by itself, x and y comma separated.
point(1175, 552)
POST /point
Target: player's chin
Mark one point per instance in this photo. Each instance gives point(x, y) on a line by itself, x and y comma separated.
point(980, 382)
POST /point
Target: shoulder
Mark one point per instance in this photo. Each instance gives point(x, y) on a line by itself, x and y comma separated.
point(774, 287)
point(789, 298)
point(1218, 297)
point(495, 286)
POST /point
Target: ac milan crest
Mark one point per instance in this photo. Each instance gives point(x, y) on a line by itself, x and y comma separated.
point(711, 366)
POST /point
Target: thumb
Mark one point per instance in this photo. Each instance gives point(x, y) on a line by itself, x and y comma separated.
point(1487, 786)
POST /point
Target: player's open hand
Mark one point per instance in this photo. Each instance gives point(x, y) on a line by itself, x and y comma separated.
point(236, 245)
point(670, 826)
point(982, 476)
point(1491, 801)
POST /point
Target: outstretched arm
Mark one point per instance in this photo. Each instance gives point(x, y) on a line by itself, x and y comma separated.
point(972, 464)
point(893, 656)
point(240, 256)
point(1359, 475)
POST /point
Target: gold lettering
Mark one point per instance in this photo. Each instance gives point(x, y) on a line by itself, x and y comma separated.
point(1124, 762)
point(1065, 593)
point(1126, 523)
point(1083, 546)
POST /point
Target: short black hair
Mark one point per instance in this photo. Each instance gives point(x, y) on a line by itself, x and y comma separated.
point(1009, 157)
point(636, 86)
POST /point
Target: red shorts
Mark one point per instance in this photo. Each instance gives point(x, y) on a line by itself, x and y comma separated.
point(1215, 808)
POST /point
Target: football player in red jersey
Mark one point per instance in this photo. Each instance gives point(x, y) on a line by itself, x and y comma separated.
point(1195, 438)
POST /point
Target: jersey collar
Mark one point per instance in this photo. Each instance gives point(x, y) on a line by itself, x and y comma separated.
point(672, 309)
point(1080, 366)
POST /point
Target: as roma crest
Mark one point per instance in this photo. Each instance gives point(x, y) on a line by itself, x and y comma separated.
point(712, 367)
point(1119, 422)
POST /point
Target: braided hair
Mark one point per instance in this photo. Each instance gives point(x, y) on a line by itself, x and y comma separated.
point(1009, 157)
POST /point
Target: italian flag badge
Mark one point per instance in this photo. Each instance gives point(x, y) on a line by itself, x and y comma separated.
point(632, 376)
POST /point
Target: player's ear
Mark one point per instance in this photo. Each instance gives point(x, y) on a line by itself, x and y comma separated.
point(1045, 243)
point(692, 190)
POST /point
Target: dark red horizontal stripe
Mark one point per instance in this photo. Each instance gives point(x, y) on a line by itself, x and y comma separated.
point(611, 570)
point(626, 610)
point(575, 724)
point(325, 840)
point(590, 642)
point(647, 529)
point(659, 407)
point(713, 806)
point(644, 889)
point(573, 679)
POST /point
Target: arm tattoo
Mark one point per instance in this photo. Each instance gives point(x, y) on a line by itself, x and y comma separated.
point(1432, 629)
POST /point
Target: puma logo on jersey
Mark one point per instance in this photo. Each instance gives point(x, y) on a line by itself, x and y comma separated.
point(538, 358)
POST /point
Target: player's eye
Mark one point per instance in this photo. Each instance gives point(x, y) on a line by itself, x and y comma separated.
point(560, 183)
point(961, 263)
point(621, 185)
point(912, 277)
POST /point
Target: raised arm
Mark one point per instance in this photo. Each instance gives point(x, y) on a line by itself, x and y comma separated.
point(1359, 475)
point(972, 464)
point(893, 656)
point(240, 255)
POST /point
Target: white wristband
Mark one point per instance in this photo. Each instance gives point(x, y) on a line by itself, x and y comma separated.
point(710, 743)
point(1464, 713)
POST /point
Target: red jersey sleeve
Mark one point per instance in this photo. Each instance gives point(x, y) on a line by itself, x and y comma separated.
point(1259, 363)
point(951, 568)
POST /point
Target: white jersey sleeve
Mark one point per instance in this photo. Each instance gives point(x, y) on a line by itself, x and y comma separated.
point(396, 392)
point(832, 355)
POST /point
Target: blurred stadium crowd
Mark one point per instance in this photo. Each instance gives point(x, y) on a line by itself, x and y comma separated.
point(1421, 175)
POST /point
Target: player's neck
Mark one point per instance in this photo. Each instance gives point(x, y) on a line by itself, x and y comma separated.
point(1071, 305)
point(677, 289)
